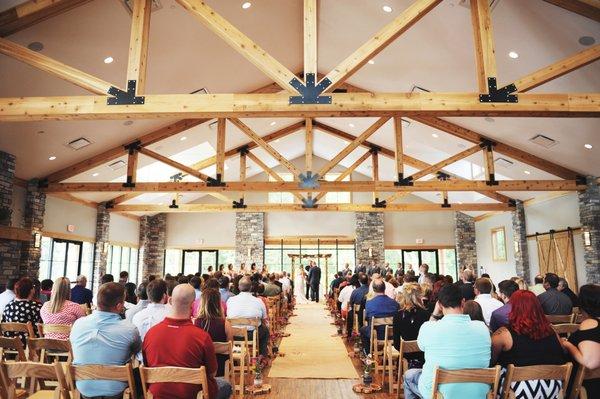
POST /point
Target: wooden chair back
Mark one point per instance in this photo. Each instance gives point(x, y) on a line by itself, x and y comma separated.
point(12, 346)
point(42, 348)
point(101, 372)
point(355, 312)
point(538, 372)
point(32, 371)
point(490, 376)
point(241, 356)
point(226, 348)
point(26, 328)
point(578, 391)
point(243, 322)
point(560, 318)
point(44, 329)
point(405, 347)
point(376, 322)
point(153, 375)
point(565, 329)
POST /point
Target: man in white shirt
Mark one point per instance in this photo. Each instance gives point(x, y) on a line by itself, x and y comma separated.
point(142, 303)
point(8, 295)
point(423, 270)
point(286, 284)
point(538, 288)
point(389, 288)
point(244, 305)
point(156, 310)
point(483, 289)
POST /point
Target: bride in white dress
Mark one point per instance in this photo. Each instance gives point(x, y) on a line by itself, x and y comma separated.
point(300, 286)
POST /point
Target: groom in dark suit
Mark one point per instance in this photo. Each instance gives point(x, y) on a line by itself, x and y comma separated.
point(314, 280)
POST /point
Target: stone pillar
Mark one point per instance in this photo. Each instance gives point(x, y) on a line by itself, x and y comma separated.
point(10, 250)
point(520, 238)
point(101, 248)
point(249, 238)
point(589, 215)
point(369, 235)
point(153, 241)
point(464, 237)
point(33, 219)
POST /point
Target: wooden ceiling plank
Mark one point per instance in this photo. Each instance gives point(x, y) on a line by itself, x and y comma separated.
point(138, 44)
point(485, 56)
point(587, 8)
point(379, 41)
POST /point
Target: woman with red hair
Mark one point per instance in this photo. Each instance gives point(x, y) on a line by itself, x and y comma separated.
point(528, 340)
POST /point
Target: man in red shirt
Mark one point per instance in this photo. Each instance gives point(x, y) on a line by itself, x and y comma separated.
point(177, 342)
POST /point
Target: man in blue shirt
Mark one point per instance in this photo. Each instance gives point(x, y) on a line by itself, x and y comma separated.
point(104, 338)
point(453, 342)
point(358, 298)
point(80, 294)
point(224, 289)
point(380, 305)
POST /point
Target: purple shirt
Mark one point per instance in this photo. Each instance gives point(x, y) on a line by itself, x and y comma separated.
point(500, 317)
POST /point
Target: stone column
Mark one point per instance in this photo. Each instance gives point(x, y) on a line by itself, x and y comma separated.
point(101, 248)
point(464, 236)
point(589, 215)
point(249, 238)
point(33, 218)
point(10, 250)
point(153, 240)
point(520, 237)
point(369, 235)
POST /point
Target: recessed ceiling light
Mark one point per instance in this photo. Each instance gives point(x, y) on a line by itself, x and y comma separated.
point(387, 8)
point(108, 60)
point(513, 54)
point(277, 141)
point(128, 123)
point(273, 123)
point(246, 5)
point(434, 135)
point(351, 124)
point(586, 40)
point(370, 62)
point(527, 172)
point(52, 158)
point(183, 138)
point(95, 174)
point(36, 46)
point(489, 119)
point(588, 146)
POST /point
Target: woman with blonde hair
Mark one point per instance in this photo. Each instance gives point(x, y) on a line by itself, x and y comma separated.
point(521, 283)
point(412, 314)
point(59, 309)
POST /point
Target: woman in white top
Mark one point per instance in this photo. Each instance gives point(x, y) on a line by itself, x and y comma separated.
point(346, 292)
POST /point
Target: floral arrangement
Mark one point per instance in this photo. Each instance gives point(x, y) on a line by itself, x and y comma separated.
point(368, 364)
point(258, 365)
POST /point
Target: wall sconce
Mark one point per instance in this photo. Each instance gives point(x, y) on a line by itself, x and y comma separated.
point(37, 240)
point(516, 244)
point(370, 252)
point(587, 238)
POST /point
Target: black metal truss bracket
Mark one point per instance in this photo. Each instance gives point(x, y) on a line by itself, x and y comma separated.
point(43, 183)
point(442, 176)
point(174, 205)
point(379, 204)
point(581, 180)
point(374, 149)
point(218, 182)
point(309, 180)
point(244, 150)
point(177, 177)
point(239, 204)
point(446, 204)
point(492, 180)
point(133, 147)
point(129, 182)
point(487, 144)
point(109, 204)
point(311, 92)
point(512, 203)
point(309, 202)
point(501, 95)
point(404, 181)
point(128, 97)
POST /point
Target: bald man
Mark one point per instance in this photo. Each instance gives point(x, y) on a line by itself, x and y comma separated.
point(177, 342)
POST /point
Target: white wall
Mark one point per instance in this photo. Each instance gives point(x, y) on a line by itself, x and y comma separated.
point(60, 213)
point(403, 228)
point(124, 230)
point(498, 270)
point(201, 230)
point(282, 224)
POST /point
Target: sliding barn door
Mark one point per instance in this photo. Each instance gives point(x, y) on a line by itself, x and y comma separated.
point(556, 255)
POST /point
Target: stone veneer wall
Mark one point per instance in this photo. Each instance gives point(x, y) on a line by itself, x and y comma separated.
point(249, 235)
point(464, 236)
point(101, 248)
point(33, 218)
point(10, 250)
point(369, 234)
point(520, 235)
point(589, 215)
point(153, 240)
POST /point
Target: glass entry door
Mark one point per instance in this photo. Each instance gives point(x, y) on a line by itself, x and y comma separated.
point(416, 257)
point(66, 258)
point(199, 260)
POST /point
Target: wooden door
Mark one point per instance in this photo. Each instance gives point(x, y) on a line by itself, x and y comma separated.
point(556, 255)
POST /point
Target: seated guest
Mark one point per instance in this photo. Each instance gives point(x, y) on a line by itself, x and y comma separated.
point(483, 290)
point(23, 308)
point(538, 287)
point(584, 345)
point(563, 286)
point(196, 282)
point(177, 342)
point(271, 289)
point(521, 283)
point(380, 305)
point(358, 297)
point(553, 301)
point(208, 283)
point(346, 293)
point(528, 340)
point(453, 342)
point(390, 291)
point(131, 298)
point(224, 289)
point(142, 304)
point(338, 278)
point(244, 305)
point(80, 294)
point(8, 294)
point(123, 277)
point(499, 316)
point(104, 338)
point(156, 310)
point(212, 320)
point(409, 320)
point(466, 286)
point(59, 309)
point(473, 309)
point(46, 290)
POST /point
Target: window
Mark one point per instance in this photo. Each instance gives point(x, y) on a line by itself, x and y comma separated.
point(226, 256)
point(442, 260)
point(498, 244)
point(192, 261)
point(173, 261)
point(65, 258)
point(123, 259)
point(281, 197)
point(337, 198)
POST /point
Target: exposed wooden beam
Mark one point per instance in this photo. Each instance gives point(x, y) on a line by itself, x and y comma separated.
point(270, 171)
point(20, 109)
point(265, 146)
point(138, 44)
point(124, 198)
point(65, 72)
point(488, 163)
point(379, 41)
point(309, 145)
point(351, 186)
point(499, 147)
point(221, 125)
point(243, 162)
point(352, 146)
point(241, 43)
point(77, 200)
point(485, 55)
point(32, 12)
point(310, 37)
point(174, 164)
point(132, 164)
point(15, 233)
point(587, 8)
point(375, 171)
point(347, 172)
point(418, 207)
point(399, 153)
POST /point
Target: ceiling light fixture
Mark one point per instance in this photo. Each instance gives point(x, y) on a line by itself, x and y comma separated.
point(95, 174)
point(588, 146)
point(273, 123)
point(586, 40)
point(387, 8)
point(434, 135)
point(108, 60)
point(52, 158)
point(513, 54)
point(351, 124)
point(527, 172)
point(128, 123)
point(246, 5)
point(35, 46)
point(370, 62)
point(183, 138)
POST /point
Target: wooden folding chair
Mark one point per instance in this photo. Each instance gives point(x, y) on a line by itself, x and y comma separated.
point(538, 372)
point(489, 376)
point(377, 347)
point(15, 328)
point(253, 322)
point(100, 372)
point(560, 318)
point(578, 391)
point(41, 349)
point(44, 329)
point(355, 311)
point(241, 357)
point(12, 347)
point(154, 375)
point(226, 348)
point(405, 348)
point(31, 372)
point(564, 330)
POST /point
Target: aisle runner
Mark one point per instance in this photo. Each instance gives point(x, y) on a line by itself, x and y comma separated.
point(311, 351)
